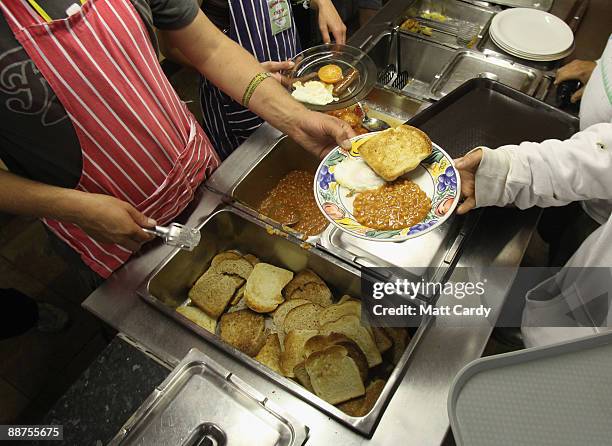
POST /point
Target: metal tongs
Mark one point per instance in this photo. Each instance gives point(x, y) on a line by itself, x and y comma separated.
point(177, 235)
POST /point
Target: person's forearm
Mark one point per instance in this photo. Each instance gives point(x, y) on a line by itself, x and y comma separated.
point(270, 101)
point(231, 68)
point(174, 54)
point(552, 173)
point(21, 196)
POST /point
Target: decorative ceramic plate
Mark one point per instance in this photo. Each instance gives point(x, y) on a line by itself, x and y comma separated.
point(436, 176)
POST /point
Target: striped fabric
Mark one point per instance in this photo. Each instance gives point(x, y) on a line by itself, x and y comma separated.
point(139, 142)
point(228, 123)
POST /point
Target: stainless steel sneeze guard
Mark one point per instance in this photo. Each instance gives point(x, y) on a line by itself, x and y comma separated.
point(199, 401)
point(227, 228)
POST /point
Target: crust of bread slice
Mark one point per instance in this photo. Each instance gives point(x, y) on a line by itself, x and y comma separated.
point(224, 255)
point(321, 342)
point(238, 295)
point(253, 260)
point(212, 292)
point(238, 267)
point(399, 336)
point(281, 312)
point(302, 376)
point(350, 326)
point(336, 311)
point(302, 278)
point(264, 287)
point(383, 342)
point(243, 329)
point(270, 353)
point(304, 316)
point(198, 317)
point(317, 293)
point(334, 375)
point(396, 151)
point(293, 352)
point(345, 298)
point(360, 407)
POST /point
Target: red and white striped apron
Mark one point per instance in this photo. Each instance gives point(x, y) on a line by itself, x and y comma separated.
point(139, 142)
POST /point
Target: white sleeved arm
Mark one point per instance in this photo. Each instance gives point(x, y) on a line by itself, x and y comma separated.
point(551, 173)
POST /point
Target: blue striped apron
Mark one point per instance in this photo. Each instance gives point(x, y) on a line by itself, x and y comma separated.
point(227, 123)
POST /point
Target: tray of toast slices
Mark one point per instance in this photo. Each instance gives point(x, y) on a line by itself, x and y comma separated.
point(292, 314)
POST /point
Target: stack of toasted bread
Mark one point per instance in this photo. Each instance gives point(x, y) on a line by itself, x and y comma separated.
point(290, 324)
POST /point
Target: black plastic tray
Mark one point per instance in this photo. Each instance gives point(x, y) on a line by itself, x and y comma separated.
point(484, 112)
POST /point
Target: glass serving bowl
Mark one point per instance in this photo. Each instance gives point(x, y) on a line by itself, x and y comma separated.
point(308, 63)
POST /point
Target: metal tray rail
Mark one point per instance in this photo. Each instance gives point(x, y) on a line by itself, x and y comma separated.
point(229, 228)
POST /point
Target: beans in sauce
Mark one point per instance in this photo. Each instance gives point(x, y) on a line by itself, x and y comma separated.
point(396, 205)
point(293, 199)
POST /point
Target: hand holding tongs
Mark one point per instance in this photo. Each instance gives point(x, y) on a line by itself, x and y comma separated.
point(177, 235)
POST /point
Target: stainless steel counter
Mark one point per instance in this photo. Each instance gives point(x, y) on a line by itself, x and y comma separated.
point(416, 414)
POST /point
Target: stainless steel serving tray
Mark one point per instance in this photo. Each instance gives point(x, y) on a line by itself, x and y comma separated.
point(201, 403)
point(408, 63)
point(249, 189)
point(229, 228)
point(429, 70)
point(456, 12)
point(429, 257)
point(468, 65)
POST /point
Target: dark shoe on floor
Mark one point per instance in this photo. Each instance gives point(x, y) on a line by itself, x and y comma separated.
point(510, 336)
point(51, 319)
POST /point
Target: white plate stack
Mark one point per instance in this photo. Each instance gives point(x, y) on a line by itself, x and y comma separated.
point(532, 34)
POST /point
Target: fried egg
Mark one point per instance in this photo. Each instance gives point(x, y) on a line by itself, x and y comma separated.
point(356, 175)
point(313, 92)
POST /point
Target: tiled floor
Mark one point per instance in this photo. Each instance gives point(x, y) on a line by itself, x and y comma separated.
point(36, 365)
point(13, 402)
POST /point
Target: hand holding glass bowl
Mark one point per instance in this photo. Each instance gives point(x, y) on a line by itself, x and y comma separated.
point(328, 66)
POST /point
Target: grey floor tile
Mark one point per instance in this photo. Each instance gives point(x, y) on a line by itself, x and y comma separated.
point(62, 380)
point(12, 402)
point(30, 253)
point(30, 361)
point(10, 277)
